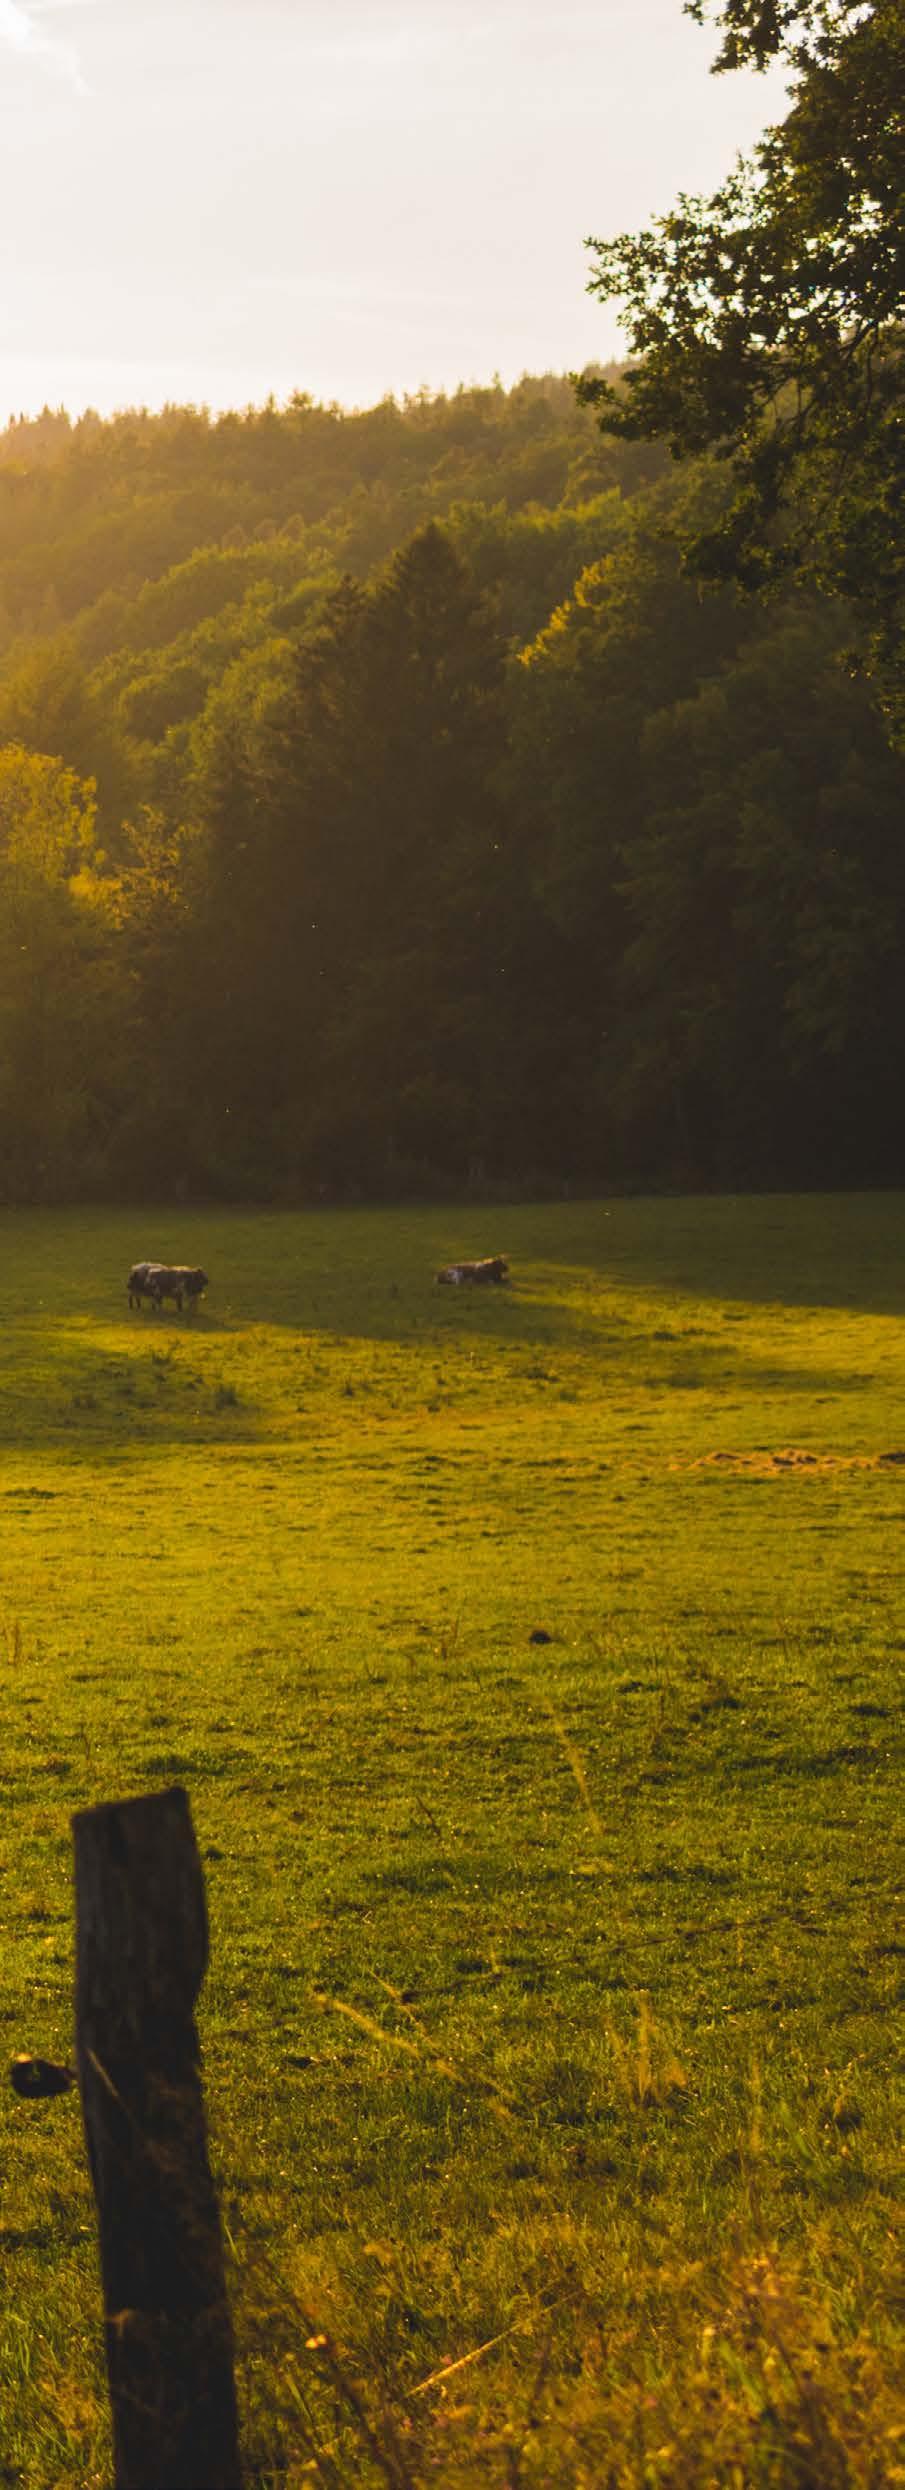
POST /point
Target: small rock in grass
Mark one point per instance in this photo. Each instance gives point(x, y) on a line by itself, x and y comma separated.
point(39, 2079)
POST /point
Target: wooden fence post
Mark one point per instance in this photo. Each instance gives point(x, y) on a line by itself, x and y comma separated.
point(141, 1955)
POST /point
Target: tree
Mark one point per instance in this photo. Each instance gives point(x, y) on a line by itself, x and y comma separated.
point(757, 30)
point(764, 886)
point(634, 637)
point(61, 1001)
point(351, 929)
point(47, 704)
point(767, 322)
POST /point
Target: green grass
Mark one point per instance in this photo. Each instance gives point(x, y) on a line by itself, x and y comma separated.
point(552, 2005)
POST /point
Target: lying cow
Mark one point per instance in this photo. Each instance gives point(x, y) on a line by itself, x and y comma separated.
point(493, 1268)
point(157, 1280)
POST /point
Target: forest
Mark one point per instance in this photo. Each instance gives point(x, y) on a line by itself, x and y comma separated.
point(387, 809)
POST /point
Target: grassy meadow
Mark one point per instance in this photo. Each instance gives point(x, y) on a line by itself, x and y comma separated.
point(531, 1658)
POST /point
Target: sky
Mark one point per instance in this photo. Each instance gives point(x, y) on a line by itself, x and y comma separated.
point(216, 200)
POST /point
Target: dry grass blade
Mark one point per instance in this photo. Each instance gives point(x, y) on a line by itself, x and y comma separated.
point(439, 2377)
point(423, 2049)
point(376, 2031)
point(576, 1766)
point(474, 2077)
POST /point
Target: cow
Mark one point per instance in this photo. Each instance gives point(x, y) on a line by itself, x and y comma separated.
point(493, 1269)
point(157, 1280)
point(179, 1280)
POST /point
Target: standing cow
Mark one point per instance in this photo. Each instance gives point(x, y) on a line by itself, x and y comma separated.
point(184, 1282)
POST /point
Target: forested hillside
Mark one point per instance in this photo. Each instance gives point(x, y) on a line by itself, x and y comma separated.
point(382, 809)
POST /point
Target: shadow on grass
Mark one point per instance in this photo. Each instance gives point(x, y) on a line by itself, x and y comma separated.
point(370, 1273)
point(72, 1390)
point(796, 1250)
point(76, 1392)
point(638, 1294)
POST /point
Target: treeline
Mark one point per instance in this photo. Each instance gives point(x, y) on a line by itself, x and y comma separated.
point(383, 810)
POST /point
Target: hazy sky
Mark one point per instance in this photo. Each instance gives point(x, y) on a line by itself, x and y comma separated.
point(213, 199)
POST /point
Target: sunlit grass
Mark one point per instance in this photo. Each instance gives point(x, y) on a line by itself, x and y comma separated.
point(549, 2029)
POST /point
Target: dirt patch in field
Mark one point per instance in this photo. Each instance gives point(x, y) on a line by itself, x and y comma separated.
point(766, 1464)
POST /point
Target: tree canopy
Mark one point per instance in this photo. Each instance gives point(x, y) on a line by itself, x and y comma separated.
point(756, 31)
point(448, 837)
point(766, 323)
